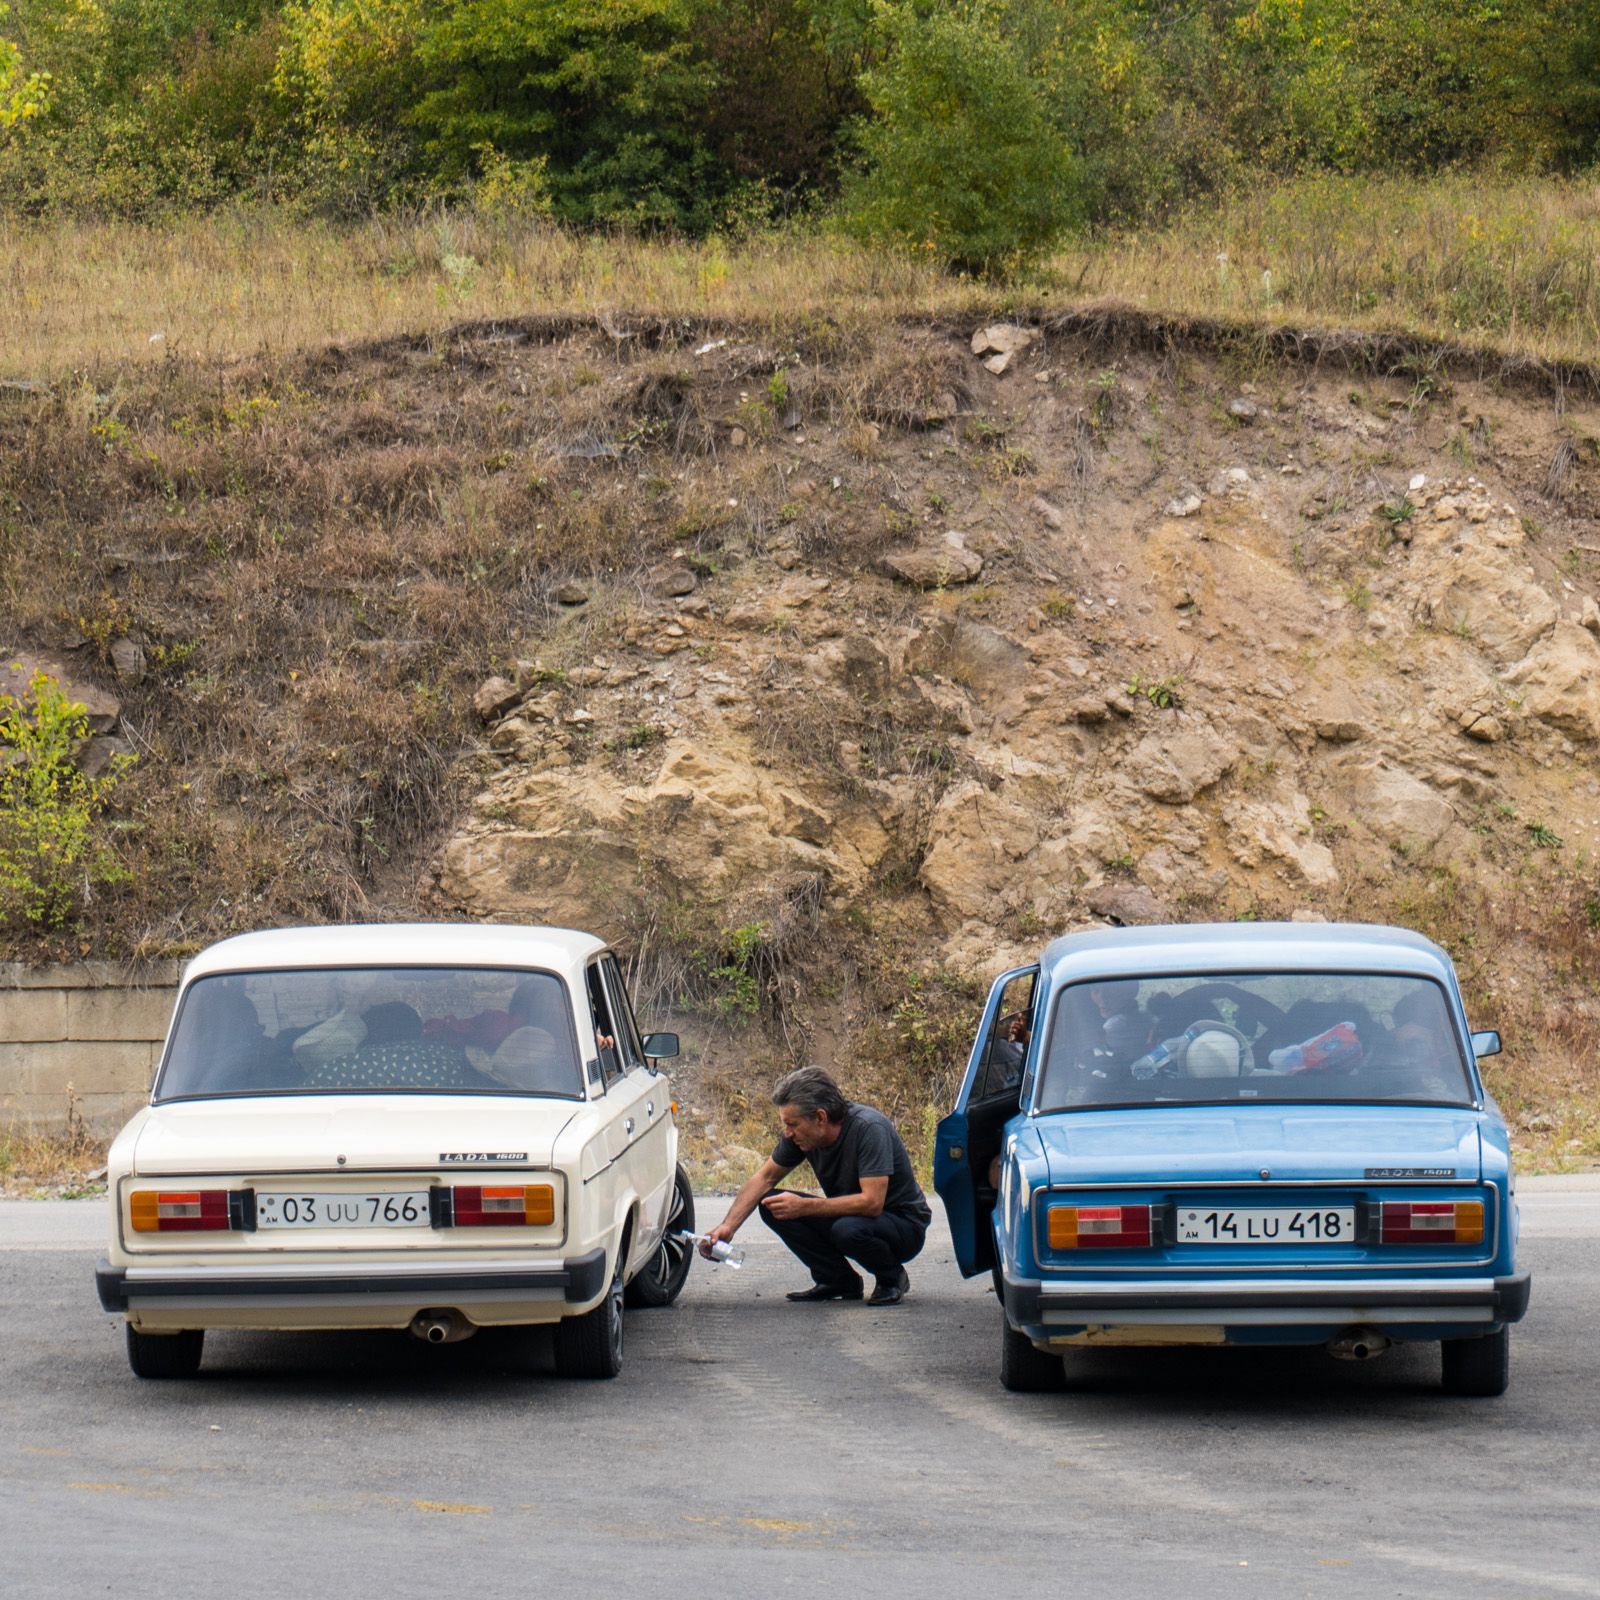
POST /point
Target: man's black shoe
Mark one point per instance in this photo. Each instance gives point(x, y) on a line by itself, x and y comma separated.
point(890, 1291)
point(828, 1291)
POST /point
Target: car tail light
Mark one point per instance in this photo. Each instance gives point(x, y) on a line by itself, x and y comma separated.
point(1432, 1222)
point(1099, 1227)
point(179, 1211)
point(530, 1205)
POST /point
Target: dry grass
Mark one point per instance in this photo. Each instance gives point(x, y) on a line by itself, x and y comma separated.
point(1503, 264)
point(58, 1165)
point(1507, 264)
point(79, 296)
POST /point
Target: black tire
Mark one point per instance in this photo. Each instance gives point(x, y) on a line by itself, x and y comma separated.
point(590, 1346)
point(165, 1355)
point(1024, 1369)
point(1479, 1367)
point(661, 1279)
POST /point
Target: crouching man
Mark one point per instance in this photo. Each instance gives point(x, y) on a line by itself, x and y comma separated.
point(870, 1211)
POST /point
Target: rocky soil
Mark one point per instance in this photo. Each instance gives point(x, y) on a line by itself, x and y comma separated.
point(959, 638)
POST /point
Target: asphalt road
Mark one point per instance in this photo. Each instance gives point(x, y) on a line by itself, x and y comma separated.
point(753, 1447)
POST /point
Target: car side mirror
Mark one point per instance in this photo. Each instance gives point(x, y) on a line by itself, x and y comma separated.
point(660, 1046)
point(1484, 1044)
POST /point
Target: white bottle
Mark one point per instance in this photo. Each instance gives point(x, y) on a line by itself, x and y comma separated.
point(729, 1255)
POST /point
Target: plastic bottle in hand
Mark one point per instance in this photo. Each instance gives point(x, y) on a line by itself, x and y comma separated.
point(1336, 1050)
point(1147, 1066)
point(722, 1252)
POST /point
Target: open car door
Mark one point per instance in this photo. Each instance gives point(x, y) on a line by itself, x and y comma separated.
point(969, 1138)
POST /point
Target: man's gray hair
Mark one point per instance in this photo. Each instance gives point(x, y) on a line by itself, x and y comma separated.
point(810, 1090)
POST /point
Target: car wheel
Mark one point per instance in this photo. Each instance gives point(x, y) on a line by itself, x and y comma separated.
point(165, 1355)
point(1024, 1369)
point(590, 1346)
point(660, 1281)
point(1477, 1366)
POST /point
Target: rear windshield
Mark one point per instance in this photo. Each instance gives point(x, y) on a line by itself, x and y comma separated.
point(369, 1030)
point(1253, 1037)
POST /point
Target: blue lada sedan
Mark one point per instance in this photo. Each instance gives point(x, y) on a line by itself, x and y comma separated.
point(1235, 1134)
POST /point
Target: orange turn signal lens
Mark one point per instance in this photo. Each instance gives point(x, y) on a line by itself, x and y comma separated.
point(1098, 1227)
point(525, 1205)
point(1432, 1222)
point(178, 1211)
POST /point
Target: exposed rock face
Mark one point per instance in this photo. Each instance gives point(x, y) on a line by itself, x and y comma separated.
point(573, 839)
point(1560, 679)
point(1347, 685)
point(1394, 805)
point(1488, 597)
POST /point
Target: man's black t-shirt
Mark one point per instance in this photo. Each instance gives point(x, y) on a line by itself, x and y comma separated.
point(867, 1147)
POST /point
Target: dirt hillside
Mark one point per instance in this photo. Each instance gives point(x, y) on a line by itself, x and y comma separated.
point(830, 674)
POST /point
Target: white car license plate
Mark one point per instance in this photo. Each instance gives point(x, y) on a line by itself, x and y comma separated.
point(311, 1209)
point(1263, 1225)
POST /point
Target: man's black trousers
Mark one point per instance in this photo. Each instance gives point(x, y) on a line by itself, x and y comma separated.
point(827, 1245)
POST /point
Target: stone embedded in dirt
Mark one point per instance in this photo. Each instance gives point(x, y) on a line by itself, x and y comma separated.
point(1589, 614)
point(1046, 512)
point(95, 756)
point(1128, 904)
point(1002, 339)
point(1175, 764)
point(1232, 481)
point(101, 711)
point(494, 697)
point(673, 580)
point(1397, 807)
point(1184, 506)
point(1091, 709)
point(1000, 364)
point(1560, 681)
point(943, 565)
point(738, 438)
point(863, 666)
point(127, 660)
point(1482, 726)
point(572, 594)
point(1243, 409)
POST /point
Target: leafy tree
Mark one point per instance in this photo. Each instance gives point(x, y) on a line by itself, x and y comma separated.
point(961, 160)
point(607, 91)
point(23, 95)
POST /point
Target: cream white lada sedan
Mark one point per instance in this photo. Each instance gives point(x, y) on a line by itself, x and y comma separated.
point(434, 1127)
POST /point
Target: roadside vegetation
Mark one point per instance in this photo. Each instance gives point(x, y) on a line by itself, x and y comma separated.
point(279, 282)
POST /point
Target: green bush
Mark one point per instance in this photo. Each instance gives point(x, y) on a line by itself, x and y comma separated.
point(961, 160)
point(52, 848)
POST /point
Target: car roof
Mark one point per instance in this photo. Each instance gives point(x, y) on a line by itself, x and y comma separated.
point(399, 944)
point(1171, 949)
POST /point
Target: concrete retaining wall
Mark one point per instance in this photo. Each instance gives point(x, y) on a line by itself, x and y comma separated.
point(92, 1031)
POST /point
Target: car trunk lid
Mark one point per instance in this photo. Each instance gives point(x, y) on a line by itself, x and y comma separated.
point(1310, 1144)
point(348, 1133)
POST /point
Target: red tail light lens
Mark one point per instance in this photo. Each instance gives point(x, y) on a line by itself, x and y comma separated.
point(527, 1205)
point(1433, 1222)
point(1099, 1227)
point(179, 1210)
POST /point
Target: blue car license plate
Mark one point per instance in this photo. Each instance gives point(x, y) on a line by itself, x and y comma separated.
point(1267, 1225)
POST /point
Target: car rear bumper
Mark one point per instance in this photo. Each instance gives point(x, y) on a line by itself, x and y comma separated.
point(281, 1291)
point(1244, 1302)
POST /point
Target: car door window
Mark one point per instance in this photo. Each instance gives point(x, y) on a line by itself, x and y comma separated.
point(630, 1048)
point(1009, 1035)
point(604, 1026)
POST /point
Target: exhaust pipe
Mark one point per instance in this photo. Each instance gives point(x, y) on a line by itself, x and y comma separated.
point(1358, 1344)
point(441, 1327)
